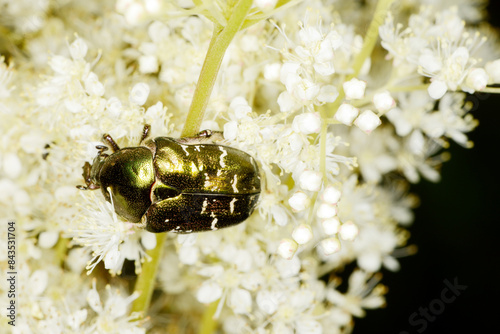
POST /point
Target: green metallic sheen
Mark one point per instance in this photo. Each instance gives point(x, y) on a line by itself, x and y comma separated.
point(128, 174)
point(181, 185)
point(204, 168)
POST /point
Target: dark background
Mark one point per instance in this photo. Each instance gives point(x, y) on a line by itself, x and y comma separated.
point(457, 232)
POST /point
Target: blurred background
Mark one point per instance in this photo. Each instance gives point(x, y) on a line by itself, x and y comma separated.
point(457, 231)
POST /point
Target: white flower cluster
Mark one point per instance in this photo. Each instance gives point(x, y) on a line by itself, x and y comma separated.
point(326, 118)
point(439, 46)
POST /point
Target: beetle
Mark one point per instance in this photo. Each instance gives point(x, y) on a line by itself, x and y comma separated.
point(182, 185)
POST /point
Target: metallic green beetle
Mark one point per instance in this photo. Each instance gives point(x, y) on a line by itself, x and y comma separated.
point(181, 185)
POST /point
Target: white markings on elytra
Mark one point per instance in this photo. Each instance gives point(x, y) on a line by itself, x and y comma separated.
point(231, 204)
point(214, 222)
point(207, 183)
point(184, 147)
point(224, 153)
point(234, 183)
point(167, 220)
point(204, 207)
point(197, 148)
point(219, 172)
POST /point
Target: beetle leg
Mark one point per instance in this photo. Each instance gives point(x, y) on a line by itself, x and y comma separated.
point(203, 137)
point(86, 176)
point(111, 142)
point(145, 132)
point(214, 136)
point(101, 148)
point(205, 133)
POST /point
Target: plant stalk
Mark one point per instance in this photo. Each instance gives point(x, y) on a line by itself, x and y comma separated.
point(221, 39)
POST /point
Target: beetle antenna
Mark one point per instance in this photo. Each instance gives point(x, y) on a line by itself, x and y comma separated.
point(111, 142)
point(145, 132)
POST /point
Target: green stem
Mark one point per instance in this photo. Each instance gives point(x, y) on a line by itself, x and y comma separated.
point(220, 41)
point(146, 281)
point(368, 45)
point(322, 148)
point(208, 323)
point(221, 38)
point(408, 88)
point(494, 90)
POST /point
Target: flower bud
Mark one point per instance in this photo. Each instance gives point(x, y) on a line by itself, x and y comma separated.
point(348, 231)
point(330, 245)
point(346, 114)
point(367, 121)
point(383, 101)
point(307, 123)
point(299, 201)
point(331, 225)
point(331, 195)
point(139, 94)
point(354, 89)
point(310, 180)
point(326, 211)
point(287, 248)
point(477, 79)
point(302, 234)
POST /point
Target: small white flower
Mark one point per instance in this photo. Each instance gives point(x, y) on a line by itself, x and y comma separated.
point(267, 301)
point(330, 245)
point(12, 165)
point(286, 102)
point(188, 255)
point(346, 114)
point(48, 239)
point(326, 211)
point(328, 93)
point(302, 234)
point(348, 231)
point(38, 282)
point(153, 6)
point(134, 12)
point(231, 130)
point(299, 201)
point(288, 267)
point(383, 101)
point(148, 64)
point(93, 86)
point(310, 180)
point(331, 195)
point(78, 49)
point(272, 71)
point(367, 121)
point(477, 79)
point(437, 89)
point(331, 226)
point(158, 32)
point(354, 89)
point(240, 107)
point(307, 123)
point(240, 300)
point(493, 70)
point(288, 72)
point(139, 94)
point(208, 292)
point(287, 248)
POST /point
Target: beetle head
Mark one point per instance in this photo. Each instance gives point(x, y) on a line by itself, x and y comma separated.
point(91, 172)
